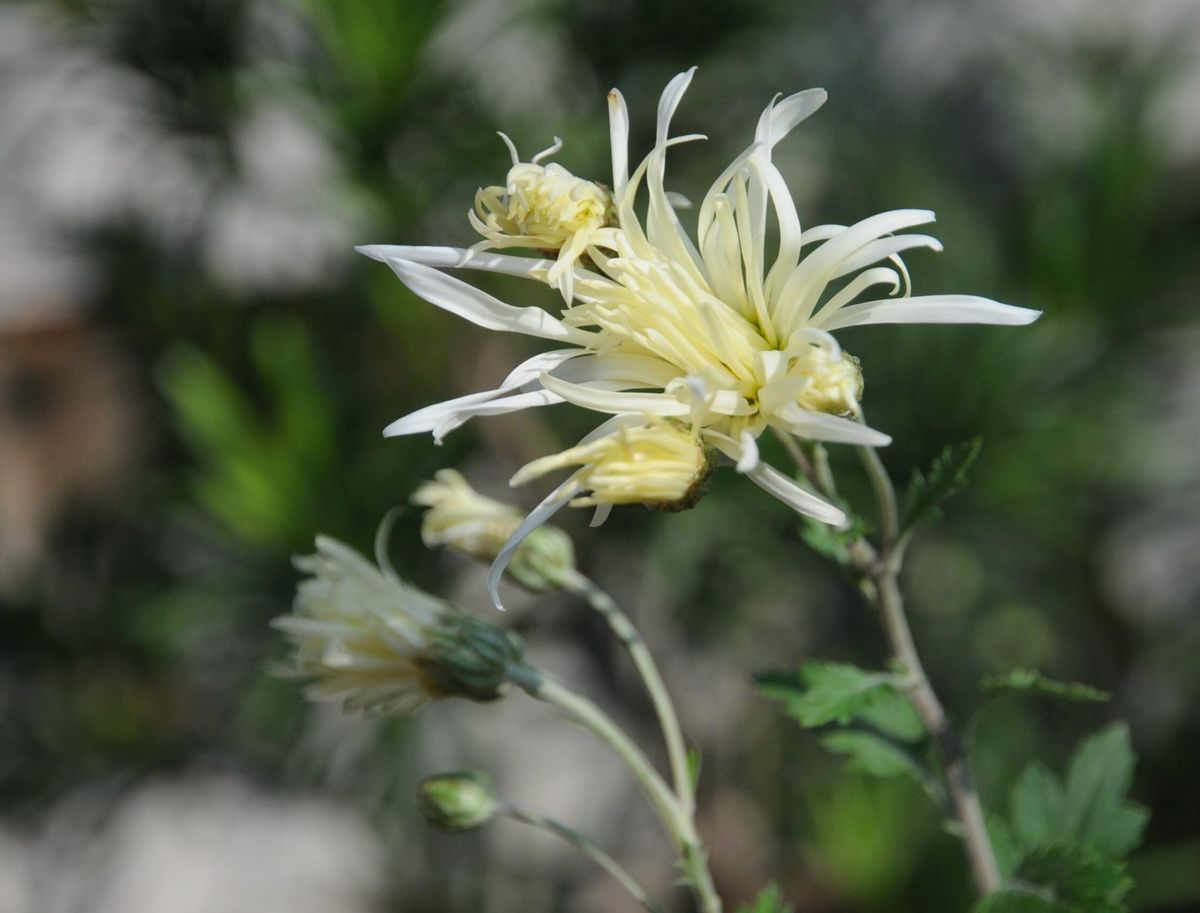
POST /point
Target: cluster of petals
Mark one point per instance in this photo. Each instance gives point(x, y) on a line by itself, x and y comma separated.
point(719, 332)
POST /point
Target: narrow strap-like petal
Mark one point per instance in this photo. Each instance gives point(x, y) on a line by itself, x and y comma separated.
point(929, 309)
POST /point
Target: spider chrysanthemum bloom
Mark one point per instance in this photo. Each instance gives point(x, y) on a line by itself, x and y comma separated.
point(381, 646)
point(544, 207)
point(717, 328)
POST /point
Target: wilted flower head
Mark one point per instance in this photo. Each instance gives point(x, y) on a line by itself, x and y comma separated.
point(477, 526)
point(380, 645)
point(703, 327)
point(543, 207)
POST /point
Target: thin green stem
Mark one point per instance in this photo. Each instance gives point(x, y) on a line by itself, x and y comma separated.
point(679, 826)
point(589, 848)
point(668, 720)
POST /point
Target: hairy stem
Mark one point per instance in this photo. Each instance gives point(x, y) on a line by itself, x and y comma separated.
point(592, 850)
point(668, 721)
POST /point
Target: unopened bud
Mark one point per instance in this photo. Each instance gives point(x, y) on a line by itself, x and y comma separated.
point(543, 560)
point(456, 802)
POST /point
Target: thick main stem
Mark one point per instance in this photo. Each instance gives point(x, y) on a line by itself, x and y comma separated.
point(643, 661)
point(882, 571)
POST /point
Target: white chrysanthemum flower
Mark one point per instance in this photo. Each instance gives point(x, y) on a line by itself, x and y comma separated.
point(709, 331)
point(381, 646)
point(543, 207)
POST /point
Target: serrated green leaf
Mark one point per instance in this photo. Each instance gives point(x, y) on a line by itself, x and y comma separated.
point(829, 692)
point(769, 901)
point(1077, 879)
point(1039, 808)
point(1090, 809)
point(874, 755)
point(1030, 681)
point(946, 476)
point(1097, 778)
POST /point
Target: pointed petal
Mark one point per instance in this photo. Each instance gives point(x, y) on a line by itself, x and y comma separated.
point(478, 306)
point(601, 400)
point(775, 483)
point(780, 118)
point(618, 130)
point(929, 309)
point(820, 426)
point(459, 258)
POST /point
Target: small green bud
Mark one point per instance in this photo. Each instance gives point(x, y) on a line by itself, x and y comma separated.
point(458, 801)
point(467, 657)
point(543, 558)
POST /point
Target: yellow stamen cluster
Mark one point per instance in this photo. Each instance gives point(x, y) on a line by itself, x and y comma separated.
point(543, 206)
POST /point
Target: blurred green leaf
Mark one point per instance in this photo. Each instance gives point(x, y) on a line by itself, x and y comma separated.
point(1030, 681)
point(830, 693)
point(1004, 845)
point(769, 901)
point(872, 754)
point(946, 476)
point(1038, 807)
point(1062, 880)
point(1097, 779)
point(829, 541)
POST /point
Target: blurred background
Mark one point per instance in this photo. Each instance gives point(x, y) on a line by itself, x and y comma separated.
point(195, 368)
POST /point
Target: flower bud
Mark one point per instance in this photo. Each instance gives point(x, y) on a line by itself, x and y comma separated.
point(662, 465)
point(467, 657)
point(456, 802)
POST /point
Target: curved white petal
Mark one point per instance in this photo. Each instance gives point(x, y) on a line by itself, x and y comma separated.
point(479, 307)
point(929, 309)
point(552, 504)
point(442, 418)
point(780, 118)
point(801, 500)
point(459, 258)
point(618, 130)
point(599, 400)
point(820, 426)
point(671, 96)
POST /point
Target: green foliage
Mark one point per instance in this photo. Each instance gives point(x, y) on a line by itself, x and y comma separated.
point(946, 476)
point(877, 726)
point(830, 693)
point(1062, 880)
point(770, 900)
point(831, 542)
point(1030, 681)
point(256, 470)
point(1069, 835)
point(695, 761)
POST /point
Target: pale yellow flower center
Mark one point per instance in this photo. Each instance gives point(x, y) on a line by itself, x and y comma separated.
point(545, 204)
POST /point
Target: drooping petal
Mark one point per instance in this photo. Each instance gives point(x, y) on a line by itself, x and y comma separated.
point(781, 117)
point(479, 307)
point(929, 309)
point(820, 426)
point(459, 258)
point(615, 402)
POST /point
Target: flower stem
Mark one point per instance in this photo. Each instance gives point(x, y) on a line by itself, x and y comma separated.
point(878, 573)
point(668, 721)
point(882, 570)
point(591, 849)
point(679, 826)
